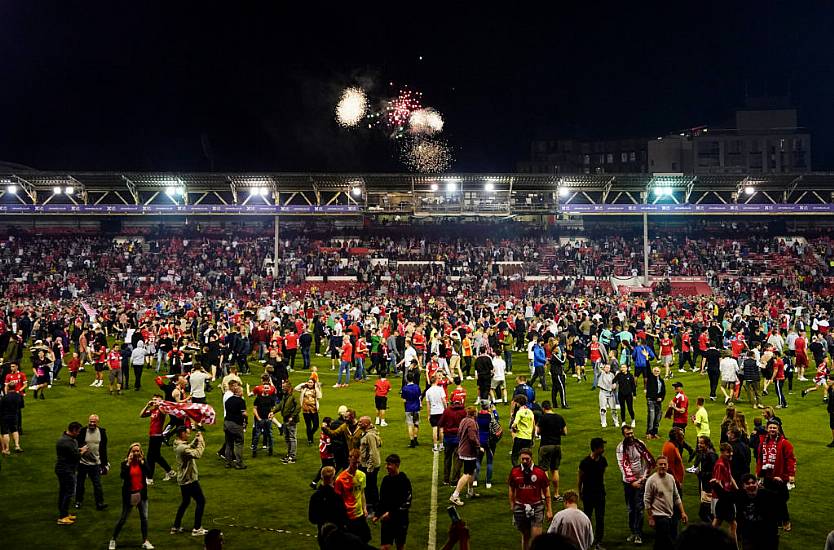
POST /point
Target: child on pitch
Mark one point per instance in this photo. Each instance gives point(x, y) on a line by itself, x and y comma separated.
point(325, 452)
point(607, 398)
point(381, 389)
point(73, 366)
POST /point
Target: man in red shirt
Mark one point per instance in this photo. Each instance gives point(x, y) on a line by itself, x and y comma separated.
point(529, 494)
point(155, 438)
point(680, 411)
point(291, 344)
point(776, 465)
point(801, 356)
point(667, 354)
point(381, 389)
point(344, 364)
point(114, 363)
point(686, 351)
point(15, 381)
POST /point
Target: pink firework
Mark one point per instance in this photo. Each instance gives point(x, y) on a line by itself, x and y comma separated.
point(400, 108)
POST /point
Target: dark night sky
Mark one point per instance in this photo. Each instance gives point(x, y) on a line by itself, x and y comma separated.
point(134, 85)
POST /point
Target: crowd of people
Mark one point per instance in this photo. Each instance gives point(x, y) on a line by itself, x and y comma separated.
point(750, 340)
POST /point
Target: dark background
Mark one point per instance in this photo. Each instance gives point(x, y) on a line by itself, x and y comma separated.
point(165, 85)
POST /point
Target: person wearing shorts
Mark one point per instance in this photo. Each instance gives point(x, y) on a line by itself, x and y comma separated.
point(412, 397)
point(529, 497)
point(381, 389)
point(551, 427)
point(393, 506)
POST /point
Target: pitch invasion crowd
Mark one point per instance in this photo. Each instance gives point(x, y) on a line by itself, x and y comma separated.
point(619, 346)
point(753, 342)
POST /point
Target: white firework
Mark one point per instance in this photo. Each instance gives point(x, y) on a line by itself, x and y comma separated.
point(425, 122)
point(427, 155)
point(351, 107)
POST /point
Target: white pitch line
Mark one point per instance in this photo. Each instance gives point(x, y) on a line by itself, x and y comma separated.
point(433, 509)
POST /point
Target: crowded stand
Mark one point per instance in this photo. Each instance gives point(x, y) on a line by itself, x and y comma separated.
point(433, 312)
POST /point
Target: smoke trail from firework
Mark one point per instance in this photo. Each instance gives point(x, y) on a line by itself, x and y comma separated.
point(427, 155)
point(351, 107)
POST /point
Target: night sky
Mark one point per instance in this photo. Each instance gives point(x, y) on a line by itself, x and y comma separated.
point(190, 86)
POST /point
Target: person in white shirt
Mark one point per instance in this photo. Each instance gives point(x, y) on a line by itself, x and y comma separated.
point(729, 376)
point(530, 345)
point(572, 523)
point(497, 385)
point(436, 399)
point(197, 380)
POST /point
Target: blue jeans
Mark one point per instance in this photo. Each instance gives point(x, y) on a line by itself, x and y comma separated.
point(160, 359)
point(360, 369)
point(262, 347)
point(634, 503)
point(305, 356)
point(508, 359)
point(489, 454)
point(653, 416)
point(143, 518)
point(344, 368)
point(597, 373)
point(262, 427)
point(56, 368)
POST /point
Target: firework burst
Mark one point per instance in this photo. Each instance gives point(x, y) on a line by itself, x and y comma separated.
point(427, 155)
point(399, 109)
point(351, 107)
point(425, 121)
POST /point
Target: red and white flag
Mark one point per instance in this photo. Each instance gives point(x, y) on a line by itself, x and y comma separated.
point(198, 412)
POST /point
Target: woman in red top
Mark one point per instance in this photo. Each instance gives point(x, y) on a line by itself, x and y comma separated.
point(134, 493)
point(723, 487)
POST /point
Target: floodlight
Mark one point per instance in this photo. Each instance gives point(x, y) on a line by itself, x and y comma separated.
point(749, 190)
point(69, 190)
point(56, 190)
point(489, 187)
point(356, 191)
point(564, 191)
point(434, 187)
point(12, 189)
point(170, 191)
point(451, 187)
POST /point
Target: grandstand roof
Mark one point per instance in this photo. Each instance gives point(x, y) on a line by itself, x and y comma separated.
point(438, 194)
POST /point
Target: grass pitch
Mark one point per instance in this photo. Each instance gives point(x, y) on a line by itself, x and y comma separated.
point(265, 506)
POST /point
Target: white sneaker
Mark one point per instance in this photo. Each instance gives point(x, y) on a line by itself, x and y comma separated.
point(605, 425)
point(489, 485)
point(94, 384)
point(112, 545)
point(147, 545)
point(474, 483)
point(692, 470)
point(633, 422)
point(337, 386)
point(455, 500)
point(383, 423)
point(169, 476)
point(681, 370)
point(148, 481)
point(199, 532)
point(376, 421)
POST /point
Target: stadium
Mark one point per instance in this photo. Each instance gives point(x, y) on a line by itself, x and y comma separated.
point(163, 257)
point(331, 276)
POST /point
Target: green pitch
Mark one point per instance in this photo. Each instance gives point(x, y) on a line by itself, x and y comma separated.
point(265, 506)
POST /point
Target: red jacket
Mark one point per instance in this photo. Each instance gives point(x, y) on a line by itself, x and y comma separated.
point(783, 459)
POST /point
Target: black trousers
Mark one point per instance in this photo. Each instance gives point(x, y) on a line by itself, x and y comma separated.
point(558, 390)
point(595, 506)
point(94, 474)
point(66, 490)
point(137, 375)
point(713, 381)
point(311, 422)
point(155, 455)
point(626, 403)
point(188, 492)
